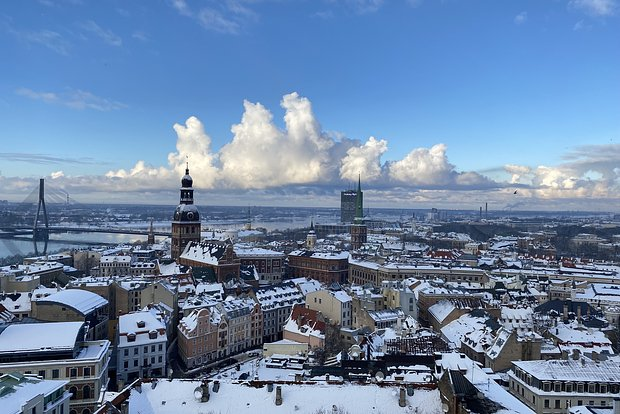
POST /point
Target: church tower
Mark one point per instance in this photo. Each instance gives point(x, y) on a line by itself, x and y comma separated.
point(311, 237)
point(359, 231)
point(186, 220)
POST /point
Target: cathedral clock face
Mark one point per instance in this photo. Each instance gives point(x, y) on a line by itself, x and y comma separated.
point(190, 216)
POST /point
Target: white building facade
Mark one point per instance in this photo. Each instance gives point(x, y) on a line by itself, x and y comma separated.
point(141, 346)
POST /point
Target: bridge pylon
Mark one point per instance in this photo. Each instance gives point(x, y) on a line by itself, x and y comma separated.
point(40, 231)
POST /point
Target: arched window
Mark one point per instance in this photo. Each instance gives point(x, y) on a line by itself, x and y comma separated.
point(86, 392)
point(85, 411)
point(73, 391)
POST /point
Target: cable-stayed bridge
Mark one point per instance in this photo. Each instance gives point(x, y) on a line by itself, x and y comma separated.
point(36, 224)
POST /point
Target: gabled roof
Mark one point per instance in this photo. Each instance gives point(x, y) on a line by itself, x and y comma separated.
point(304, 316)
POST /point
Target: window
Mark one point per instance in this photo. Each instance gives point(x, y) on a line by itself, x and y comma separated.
point(42, 374)
point(73, 392)
point(87, 371)
point(135, 351)
point(146, 349)
point(159, 359)
point(161, 347)
point(73, 372)
point(86, 392)
point(55, 374)
point(546, 403)
point(557, 403)
point(135, 362)
point(126, 352)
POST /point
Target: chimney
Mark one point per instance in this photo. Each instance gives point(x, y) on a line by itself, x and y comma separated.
point(576, 354)
point(564, 355)
point(595, 356)
point(279, 395)
point(402, 399)
point(205, 393)
point(565, 311)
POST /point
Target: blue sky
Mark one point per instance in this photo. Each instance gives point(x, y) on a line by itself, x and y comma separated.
point(466, 100)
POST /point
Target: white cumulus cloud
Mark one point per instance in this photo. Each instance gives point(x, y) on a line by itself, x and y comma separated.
point(423, 166)
point(364, 160)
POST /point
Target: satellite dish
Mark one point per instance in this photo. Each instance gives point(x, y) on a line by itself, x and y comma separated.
point(355, 351)
point(198, 393)
point(379, 376)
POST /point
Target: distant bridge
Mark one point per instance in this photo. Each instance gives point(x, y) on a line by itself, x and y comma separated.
point(21, 230)
point(41, 229)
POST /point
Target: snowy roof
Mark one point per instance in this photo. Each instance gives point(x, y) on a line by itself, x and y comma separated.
point(206, 251)
point(256, 252)
point(517, 314)
point(115, 259)
point(456, 329)
point(50, 336)
point(341, 296)
point(321, 255)
point(172, 269)
point(81, 300)
point(582, 369)
point(307, 285)
point(569, 333)
point(18, 389)
point(441, 310)
point(483, 383)
point(129, 322)
point(277, 296)
point(174, 396)
point(235, 307)
point(215, 289)
point(500, 341)
point(18, 302)
point(190, 322)
point(386, 315)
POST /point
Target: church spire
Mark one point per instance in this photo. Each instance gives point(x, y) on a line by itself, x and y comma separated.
point(359, 201)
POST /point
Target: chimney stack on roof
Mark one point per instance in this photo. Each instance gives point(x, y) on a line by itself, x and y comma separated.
point(279, 395)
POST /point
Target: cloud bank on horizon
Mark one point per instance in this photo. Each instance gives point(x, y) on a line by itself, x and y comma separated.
point(265, 162)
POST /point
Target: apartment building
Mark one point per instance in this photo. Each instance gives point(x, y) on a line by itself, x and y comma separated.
point(57, 351)
point(141, 346)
